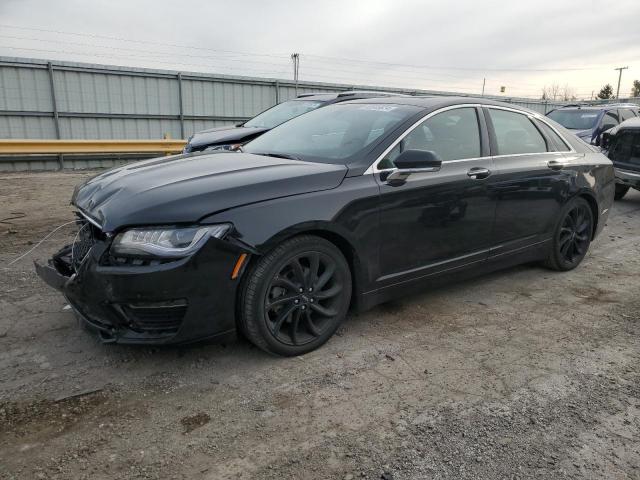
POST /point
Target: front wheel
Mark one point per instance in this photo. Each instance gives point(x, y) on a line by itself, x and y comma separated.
point(621, 191)
point(572, 236)
point(295, 297)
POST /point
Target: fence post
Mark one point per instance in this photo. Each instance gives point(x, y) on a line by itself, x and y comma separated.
point(277, 85)
point(181, 106)
point(54, 103)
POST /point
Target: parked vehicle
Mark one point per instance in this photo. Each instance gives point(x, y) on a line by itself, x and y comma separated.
point(590, 121)
point(231, 137)
point(622, 145)
point(352, 204)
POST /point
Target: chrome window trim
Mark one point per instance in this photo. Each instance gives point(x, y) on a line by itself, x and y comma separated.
point(373, 167)
point(541, 118)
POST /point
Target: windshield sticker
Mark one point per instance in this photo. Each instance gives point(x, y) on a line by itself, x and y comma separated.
point(378, 108)
point(589, 115)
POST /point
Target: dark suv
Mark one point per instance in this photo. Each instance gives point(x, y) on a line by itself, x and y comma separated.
point(622, 146)
point(589, 121)
point(231, 137)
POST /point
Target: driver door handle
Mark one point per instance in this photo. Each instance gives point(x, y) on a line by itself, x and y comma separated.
point(478, 173)
point(556, 164)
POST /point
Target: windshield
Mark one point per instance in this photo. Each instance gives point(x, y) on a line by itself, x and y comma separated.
point(281, 113)
point(575, 119)
point(332, 134)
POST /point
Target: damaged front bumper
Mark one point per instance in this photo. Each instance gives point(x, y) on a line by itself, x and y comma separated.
point(149, 302)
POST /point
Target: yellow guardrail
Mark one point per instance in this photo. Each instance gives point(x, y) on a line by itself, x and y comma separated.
point(17, 147)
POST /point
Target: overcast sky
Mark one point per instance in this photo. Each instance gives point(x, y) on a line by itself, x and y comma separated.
point(436, 45)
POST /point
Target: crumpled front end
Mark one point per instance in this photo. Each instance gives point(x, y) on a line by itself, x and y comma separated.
point(148, 301)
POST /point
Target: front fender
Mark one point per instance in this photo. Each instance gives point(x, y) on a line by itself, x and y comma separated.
point(348, 213)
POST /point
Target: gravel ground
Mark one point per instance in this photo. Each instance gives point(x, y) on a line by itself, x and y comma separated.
point(524, 373)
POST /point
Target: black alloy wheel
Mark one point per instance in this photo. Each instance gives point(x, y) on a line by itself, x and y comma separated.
point(296, 296)
point(573, 236)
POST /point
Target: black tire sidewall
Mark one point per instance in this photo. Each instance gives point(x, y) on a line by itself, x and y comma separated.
point(261, 277)
point(621, 191)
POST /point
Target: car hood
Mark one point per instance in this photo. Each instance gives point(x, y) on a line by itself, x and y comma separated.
point(223, 136)
point(186, 188)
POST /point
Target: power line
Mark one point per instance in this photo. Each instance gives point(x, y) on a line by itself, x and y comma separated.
point(473, 69)
point(146, 52)
point(130, 57)
point(148, 42)
point(339, 59)
point(419, 81)
point(351, 67)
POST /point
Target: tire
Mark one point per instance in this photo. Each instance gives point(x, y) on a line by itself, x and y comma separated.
point(280, 318)
point(621, 191)
point(572, 236)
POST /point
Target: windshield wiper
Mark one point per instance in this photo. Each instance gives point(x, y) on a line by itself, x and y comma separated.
point(277, 155)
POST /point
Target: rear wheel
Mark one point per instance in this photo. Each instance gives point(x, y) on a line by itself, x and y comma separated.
point(572, 236)
point(621, 191)
point(295, 297)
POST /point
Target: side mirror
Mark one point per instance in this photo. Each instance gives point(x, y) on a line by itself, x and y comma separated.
point(238, 125)
point(413, 161)
point(604, 140)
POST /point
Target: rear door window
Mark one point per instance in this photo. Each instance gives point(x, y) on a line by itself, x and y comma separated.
point(515, 133)
point(626, 114)
point(558, 143)
point(609, 120)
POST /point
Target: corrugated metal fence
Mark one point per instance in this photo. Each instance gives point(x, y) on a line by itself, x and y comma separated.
point(66, 100)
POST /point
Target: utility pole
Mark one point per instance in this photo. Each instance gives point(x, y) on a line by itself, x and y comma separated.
point(619, 79)
point(295, 57)
point(484, 81)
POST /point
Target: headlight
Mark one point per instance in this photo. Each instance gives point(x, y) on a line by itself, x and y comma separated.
point(166, 242)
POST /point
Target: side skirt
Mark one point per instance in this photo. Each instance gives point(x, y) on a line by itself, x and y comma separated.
point(535, 253)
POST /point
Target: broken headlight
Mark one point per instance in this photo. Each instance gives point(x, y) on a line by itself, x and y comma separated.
point(164, 241)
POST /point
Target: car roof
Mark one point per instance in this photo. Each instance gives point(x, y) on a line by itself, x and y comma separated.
point(631, 124)
point(607, 106)
point(438, 101)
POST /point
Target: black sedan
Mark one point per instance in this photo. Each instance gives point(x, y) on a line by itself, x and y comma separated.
point(347, 206)
point(231, 137)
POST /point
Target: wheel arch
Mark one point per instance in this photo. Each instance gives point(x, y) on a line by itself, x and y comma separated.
point(593, 204)
point(341, 241)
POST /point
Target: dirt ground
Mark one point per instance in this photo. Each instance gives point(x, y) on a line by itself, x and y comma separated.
point(525, 373)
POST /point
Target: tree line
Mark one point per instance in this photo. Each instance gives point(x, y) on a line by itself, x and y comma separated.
point(566, 93)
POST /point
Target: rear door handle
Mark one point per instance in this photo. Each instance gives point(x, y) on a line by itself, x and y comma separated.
point(478, 173)
point(556, 164)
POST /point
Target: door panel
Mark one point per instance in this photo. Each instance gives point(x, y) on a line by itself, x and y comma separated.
point(530, 182)
point(435, 221)
point(529, 197)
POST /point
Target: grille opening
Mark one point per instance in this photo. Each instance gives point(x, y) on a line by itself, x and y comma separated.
point(156, 317)
point(85, 238)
